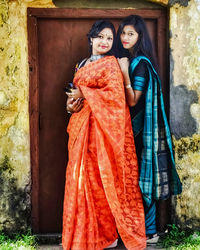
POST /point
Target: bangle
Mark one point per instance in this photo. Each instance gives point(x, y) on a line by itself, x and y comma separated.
point(128, 86)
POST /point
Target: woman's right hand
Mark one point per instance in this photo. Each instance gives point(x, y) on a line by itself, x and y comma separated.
point(74, 106)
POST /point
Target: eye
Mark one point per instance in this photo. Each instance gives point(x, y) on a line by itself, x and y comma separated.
point(100, 36)
point(131, 34)
point(110, 38)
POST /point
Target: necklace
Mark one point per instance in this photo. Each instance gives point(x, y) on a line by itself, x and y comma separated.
point(95, 57)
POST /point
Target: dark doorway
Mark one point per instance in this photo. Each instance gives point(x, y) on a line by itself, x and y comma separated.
point(57, 41)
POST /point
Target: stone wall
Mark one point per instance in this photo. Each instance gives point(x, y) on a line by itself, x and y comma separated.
point(113, 4)
point(15, 179)
point(185, 108)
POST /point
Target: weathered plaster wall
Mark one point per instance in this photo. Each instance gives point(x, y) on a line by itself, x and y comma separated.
point(113, 4)
point(162, 2)
point(170, 2)
point(185, 108)
point(14, 118)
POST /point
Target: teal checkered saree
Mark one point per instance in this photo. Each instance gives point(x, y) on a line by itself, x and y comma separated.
point(150, 179)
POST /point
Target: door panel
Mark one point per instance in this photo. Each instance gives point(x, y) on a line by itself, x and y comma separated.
point(57, 41)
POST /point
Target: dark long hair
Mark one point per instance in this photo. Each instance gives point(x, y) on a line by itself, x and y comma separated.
point(97, 27)
point(143, 46)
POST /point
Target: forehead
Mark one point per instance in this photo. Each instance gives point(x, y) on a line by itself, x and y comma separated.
point(129, 28)
point(106, 32)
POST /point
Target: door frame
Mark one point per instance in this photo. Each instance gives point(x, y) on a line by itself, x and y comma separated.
point(33, 15)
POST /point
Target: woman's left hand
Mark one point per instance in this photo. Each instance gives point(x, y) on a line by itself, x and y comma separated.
point(124, 64)
point(75, 94)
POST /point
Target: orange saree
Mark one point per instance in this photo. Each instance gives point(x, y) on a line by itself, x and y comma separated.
point(102, 194)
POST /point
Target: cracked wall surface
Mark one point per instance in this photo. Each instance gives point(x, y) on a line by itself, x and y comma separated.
point(15, 178)
point(185, 108)
point(171, 2)
point(113, 4)
point(186, 206)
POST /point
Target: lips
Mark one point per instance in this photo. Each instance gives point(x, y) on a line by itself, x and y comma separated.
point(104, 47)
point(125, 42)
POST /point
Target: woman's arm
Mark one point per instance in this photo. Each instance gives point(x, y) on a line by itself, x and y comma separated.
point(132, 96)
point(75, 97)
point(75, 94)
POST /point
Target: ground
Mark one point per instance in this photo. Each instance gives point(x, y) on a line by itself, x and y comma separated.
point(119, 247)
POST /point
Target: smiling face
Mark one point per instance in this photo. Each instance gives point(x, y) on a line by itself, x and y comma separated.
point(103, 42)
point(129, 37)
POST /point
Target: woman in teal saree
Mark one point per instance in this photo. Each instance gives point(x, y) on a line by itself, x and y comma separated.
point(158, 177)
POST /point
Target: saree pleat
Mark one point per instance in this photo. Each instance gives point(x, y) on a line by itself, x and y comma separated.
point(102, 192)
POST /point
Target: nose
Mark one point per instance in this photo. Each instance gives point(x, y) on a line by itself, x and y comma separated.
point(125, 36)
point(105, 40)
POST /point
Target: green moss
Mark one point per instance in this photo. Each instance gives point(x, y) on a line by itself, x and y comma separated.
point(3, 19)
point(7, 69)
point(106, 4)
point(186, 144)
point(5, 165)
point(16, 68)
point(11, 70)
point(181, 2)
point(14, 201)
point(4, 10)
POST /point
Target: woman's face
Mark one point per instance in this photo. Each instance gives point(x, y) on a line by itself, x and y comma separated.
point(129, 37)
point(103, 42)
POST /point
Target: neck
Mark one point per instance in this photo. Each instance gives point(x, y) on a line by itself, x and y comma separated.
point(95, 57)
point(131, 51)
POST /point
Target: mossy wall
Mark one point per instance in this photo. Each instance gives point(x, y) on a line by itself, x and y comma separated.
point(15, 178)
point(186, 206)
point(113, 4)
point(185, 108)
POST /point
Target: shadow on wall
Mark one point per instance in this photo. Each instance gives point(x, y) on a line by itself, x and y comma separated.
point(14, 202)
point(181, 2)
point(114, 4)
point(182, 123)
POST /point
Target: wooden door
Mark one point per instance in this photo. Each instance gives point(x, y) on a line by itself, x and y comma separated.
point(57, 41)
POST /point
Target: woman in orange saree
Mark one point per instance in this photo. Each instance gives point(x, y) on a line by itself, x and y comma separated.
point(102, 194)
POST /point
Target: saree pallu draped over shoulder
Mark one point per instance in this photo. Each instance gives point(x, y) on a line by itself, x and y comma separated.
point(102, 192)
point(153, 183)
